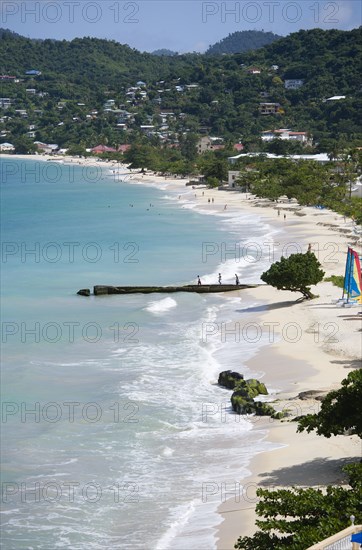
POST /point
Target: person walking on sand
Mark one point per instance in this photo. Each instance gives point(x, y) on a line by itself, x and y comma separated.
point(199, 280)
point(219, 279)
point(237, 282)
point(285, 216)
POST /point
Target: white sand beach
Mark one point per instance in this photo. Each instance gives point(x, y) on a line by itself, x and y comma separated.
point(326, 348)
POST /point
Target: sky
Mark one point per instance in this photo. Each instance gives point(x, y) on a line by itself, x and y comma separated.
point(181, 26)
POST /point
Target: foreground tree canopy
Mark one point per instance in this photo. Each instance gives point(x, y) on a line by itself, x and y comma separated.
point(298, 518)
point(341, 410)
point(303, 517)
point(296, 273)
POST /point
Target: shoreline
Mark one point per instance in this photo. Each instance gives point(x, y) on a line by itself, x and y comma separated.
point(327, 350)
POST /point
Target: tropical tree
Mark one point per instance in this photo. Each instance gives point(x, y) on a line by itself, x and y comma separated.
point(296, 273)
point(341, 410)
point(298, 518)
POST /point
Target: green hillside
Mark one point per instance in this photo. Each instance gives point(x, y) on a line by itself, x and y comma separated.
point(242, 41)
point(217, 95)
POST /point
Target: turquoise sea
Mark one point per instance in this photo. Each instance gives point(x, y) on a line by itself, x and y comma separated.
point(114, 431)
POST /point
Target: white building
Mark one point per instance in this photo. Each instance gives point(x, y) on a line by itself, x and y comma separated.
point(320, 157)
point(293, 84)
point(335, 98)
point(285, 134)
point(7, 147)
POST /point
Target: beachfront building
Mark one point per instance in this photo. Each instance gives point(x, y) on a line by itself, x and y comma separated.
point(103, 149)
point(7, 147)
point(269, 108)
point(48, 148)
point(287, 135)
point(293, 84)
point(232, 177)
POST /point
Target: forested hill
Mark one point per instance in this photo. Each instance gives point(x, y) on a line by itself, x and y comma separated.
point(80, 62)
point(7, 32)
point(242, 41)
point(220, 95)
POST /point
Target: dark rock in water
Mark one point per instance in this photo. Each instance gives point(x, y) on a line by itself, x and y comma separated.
point(242, 400)
point(256, 386)
point(242, 403)
point(229, 379)
point(84, 292)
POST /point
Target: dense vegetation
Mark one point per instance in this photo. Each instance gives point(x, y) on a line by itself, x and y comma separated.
point(164, 51)
point(79, 76)
point(310, 183)
point(298, 518)
point(242, 41)
point(340, 410)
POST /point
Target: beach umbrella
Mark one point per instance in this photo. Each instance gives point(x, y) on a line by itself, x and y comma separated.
point(357, 538)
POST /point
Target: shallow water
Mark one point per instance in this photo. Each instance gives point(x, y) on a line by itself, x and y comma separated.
point(115, 434)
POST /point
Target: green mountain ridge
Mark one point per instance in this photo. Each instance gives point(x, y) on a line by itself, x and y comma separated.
point(212, 94)
point(242, 41)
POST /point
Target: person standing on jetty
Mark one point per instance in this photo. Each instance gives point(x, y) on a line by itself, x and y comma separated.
point(237, 282)
point(198, 280)
point(219, 279)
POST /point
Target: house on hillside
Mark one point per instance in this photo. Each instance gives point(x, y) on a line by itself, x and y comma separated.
point(286, 134)
point(293, 84)
point(335, 98)
point(33, 72)
point(207, 143)
point(253, 70)
point(238, 147)
point(7, 78)
point(5, 102)
point(270, 108)
point(109, 105)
